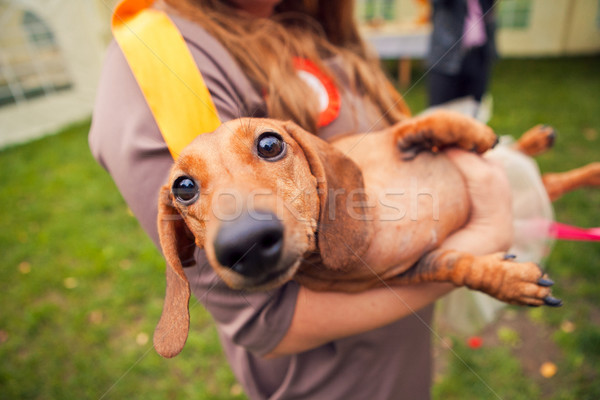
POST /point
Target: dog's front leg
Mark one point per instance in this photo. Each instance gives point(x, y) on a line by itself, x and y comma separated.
point(495, 274)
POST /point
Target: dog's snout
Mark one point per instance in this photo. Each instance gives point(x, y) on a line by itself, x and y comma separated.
point(250, 245)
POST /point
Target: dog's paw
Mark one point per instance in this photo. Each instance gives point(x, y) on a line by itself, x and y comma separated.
point(514, 282)
point(536, 140)
point(440, 130)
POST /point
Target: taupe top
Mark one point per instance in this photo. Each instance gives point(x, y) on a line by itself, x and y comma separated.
point(392, 362)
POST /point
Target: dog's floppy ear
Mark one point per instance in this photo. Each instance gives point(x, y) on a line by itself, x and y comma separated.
point(343, 232)
point(177, 245)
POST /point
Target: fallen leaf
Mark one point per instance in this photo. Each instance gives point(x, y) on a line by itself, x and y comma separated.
point(70, 282)
point(509, 336)
point(567, 326)
point(548, 369)
point(236, 389)
point(142, 338)
point(24, 267)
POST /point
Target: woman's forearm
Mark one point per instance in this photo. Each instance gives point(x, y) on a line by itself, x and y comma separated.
point(321, 317)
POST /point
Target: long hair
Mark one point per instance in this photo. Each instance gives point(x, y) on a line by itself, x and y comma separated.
point(314, 30)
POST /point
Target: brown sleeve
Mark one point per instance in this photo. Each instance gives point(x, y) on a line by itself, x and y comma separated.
point(126, 141)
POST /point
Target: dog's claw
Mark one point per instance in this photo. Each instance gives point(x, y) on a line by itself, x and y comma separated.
point(551, 137)
point(496, 141)
point(553, 302)
point(545, 282)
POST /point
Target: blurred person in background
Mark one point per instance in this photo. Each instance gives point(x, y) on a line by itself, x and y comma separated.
point(462, 49)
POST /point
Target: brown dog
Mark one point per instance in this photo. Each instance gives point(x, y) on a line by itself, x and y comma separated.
point(270, 202)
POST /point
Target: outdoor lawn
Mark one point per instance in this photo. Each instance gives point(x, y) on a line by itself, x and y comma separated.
point(81, 287)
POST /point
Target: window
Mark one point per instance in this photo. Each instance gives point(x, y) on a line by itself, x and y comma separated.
point(514, 14)
point(369, 10)
point(31, 63)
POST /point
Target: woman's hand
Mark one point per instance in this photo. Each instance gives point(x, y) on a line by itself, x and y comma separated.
point(490, 226)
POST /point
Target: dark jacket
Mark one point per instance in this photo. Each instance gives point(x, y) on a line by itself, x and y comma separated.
point(446, 52)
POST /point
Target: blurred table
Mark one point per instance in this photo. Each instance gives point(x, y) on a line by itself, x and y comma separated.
point(402, 42)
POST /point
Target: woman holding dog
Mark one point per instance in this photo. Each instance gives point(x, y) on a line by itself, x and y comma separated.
point(301, 60)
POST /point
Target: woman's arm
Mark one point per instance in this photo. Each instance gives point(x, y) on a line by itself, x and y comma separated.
point(321, 317)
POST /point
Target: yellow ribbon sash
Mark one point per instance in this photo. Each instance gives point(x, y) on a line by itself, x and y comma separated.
point(166, 73)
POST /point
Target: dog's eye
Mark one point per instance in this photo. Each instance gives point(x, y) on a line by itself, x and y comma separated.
point(185, 190)
point(270, 146)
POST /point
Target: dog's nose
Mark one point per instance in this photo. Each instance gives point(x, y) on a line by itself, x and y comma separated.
point(251, 244)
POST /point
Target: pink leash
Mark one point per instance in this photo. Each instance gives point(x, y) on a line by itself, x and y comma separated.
point(568, 232)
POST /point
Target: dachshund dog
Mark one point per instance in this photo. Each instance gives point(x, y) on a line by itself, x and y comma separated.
point(270, 202)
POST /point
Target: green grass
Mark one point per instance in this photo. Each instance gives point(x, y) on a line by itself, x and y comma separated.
point(81, 286)
point(486, 374)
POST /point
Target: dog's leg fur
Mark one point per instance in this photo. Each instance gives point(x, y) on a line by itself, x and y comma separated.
point(442, 129)
point(496, 274)
point(560, 183)
point(536, 141)
point(541, 138)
